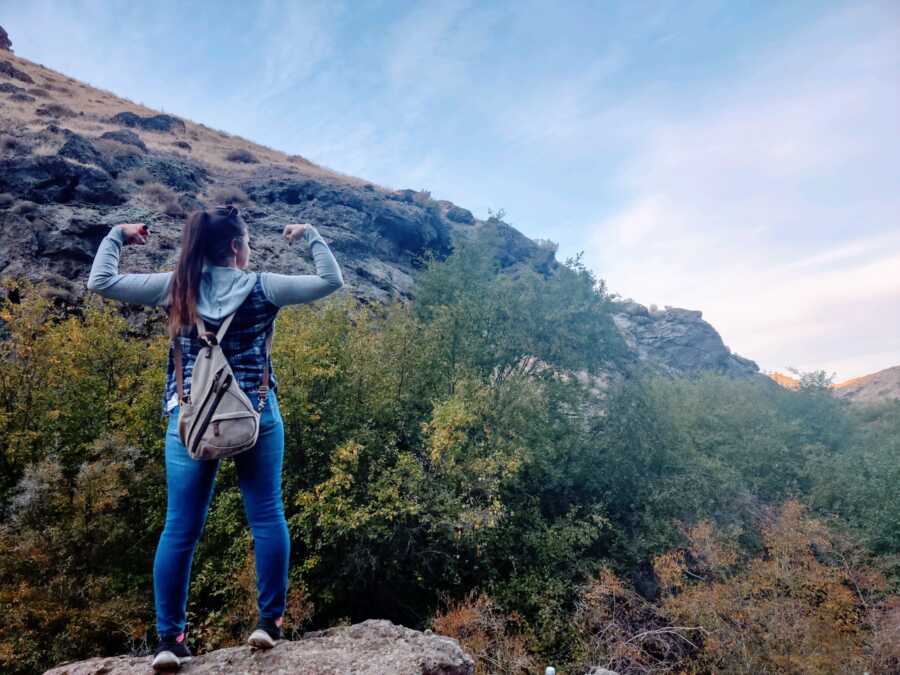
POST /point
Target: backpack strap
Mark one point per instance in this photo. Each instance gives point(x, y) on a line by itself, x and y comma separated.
point(203, 335)
point(264, 386)
point(223, 328)
point(201, 331)
point(178, 373)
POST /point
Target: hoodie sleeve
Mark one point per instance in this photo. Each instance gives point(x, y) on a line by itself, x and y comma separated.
point(143, 289)
point(296, 289)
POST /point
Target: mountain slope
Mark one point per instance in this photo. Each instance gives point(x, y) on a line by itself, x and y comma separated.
point(880, 386)
point(77, 160)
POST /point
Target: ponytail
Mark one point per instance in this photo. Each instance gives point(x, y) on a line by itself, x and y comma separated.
point(206, 236)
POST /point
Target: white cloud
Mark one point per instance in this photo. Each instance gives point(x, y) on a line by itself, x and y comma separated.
point(437, 54)
point(294, 39)
point(773, 207)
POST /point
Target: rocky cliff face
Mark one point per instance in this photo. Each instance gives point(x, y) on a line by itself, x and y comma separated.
point(373, 647)
point(75, 160)
point(5, 42)
point(677, 341)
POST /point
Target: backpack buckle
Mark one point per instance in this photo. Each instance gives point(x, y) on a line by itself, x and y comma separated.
point(209, 338)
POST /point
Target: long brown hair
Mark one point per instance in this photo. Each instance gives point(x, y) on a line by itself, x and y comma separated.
point(206, 235)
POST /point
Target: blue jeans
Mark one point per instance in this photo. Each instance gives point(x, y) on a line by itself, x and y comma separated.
point(190, 484)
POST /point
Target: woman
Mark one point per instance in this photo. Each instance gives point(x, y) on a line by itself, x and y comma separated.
point(211, 279)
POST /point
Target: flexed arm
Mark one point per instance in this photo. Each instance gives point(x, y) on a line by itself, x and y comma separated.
point(295, 289)
point(145, 289)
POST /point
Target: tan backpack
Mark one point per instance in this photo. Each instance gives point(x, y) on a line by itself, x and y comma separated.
point(217, 419)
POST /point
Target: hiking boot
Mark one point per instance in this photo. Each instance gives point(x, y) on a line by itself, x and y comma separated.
point(266, 634)
point(171, 653)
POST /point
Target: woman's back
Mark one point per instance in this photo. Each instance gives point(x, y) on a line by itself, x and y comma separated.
point(244, 346)
point(255, 296)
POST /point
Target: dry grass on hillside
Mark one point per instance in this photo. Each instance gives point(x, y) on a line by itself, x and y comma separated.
point(90, 106)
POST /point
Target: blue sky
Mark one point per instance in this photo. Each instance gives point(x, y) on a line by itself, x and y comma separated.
point(741, 158)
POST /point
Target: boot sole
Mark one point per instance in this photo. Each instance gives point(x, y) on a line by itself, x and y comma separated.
point(168, 661)
point(261, 640)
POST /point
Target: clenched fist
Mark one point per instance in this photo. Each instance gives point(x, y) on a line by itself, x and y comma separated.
point(294, 230)
point(135, 233)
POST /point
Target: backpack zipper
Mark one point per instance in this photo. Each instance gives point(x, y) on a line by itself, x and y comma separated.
point(209, 413)
point(212, 390)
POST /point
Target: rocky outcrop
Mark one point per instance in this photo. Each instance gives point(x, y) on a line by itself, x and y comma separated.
point(127, 137)
point(373, 647)
point(51, 179)
point(5, 42)
point(8, 69)
point(677, 341)
point(161, 123)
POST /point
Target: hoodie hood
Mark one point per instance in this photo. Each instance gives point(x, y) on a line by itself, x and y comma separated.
point(222, 290)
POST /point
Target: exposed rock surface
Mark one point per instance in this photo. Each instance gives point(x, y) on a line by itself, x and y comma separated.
point(161, 123)
point(5, 42)
point(9, 70)
point(127, 137)
point(373, 647)
point(677, 341)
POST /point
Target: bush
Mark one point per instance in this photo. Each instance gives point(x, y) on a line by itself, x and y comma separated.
point(114, 150)
point(55, 110)
point(798, 607)
point(165, 197)
point(616, 628)
point(140, 176)
point(241, 155)
point(9, 143)
point(228, 195)
point(495, 640)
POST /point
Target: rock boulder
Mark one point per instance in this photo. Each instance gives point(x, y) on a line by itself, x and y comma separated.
point(373, 647)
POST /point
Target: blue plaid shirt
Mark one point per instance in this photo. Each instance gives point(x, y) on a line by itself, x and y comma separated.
point(244, 345)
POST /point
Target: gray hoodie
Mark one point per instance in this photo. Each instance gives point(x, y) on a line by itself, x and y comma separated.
point(222, 289)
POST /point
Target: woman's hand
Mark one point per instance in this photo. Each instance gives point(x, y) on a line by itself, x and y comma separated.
point(294, 230)
point(135, 233)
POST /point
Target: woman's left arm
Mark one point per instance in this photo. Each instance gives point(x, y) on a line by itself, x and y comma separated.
point(144, 289)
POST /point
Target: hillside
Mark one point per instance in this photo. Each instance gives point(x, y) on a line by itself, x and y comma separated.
point(880, 386)
point(77, 160)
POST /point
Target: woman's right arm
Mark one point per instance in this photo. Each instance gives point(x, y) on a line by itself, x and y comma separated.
point(140, 288)
point(295, 289)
